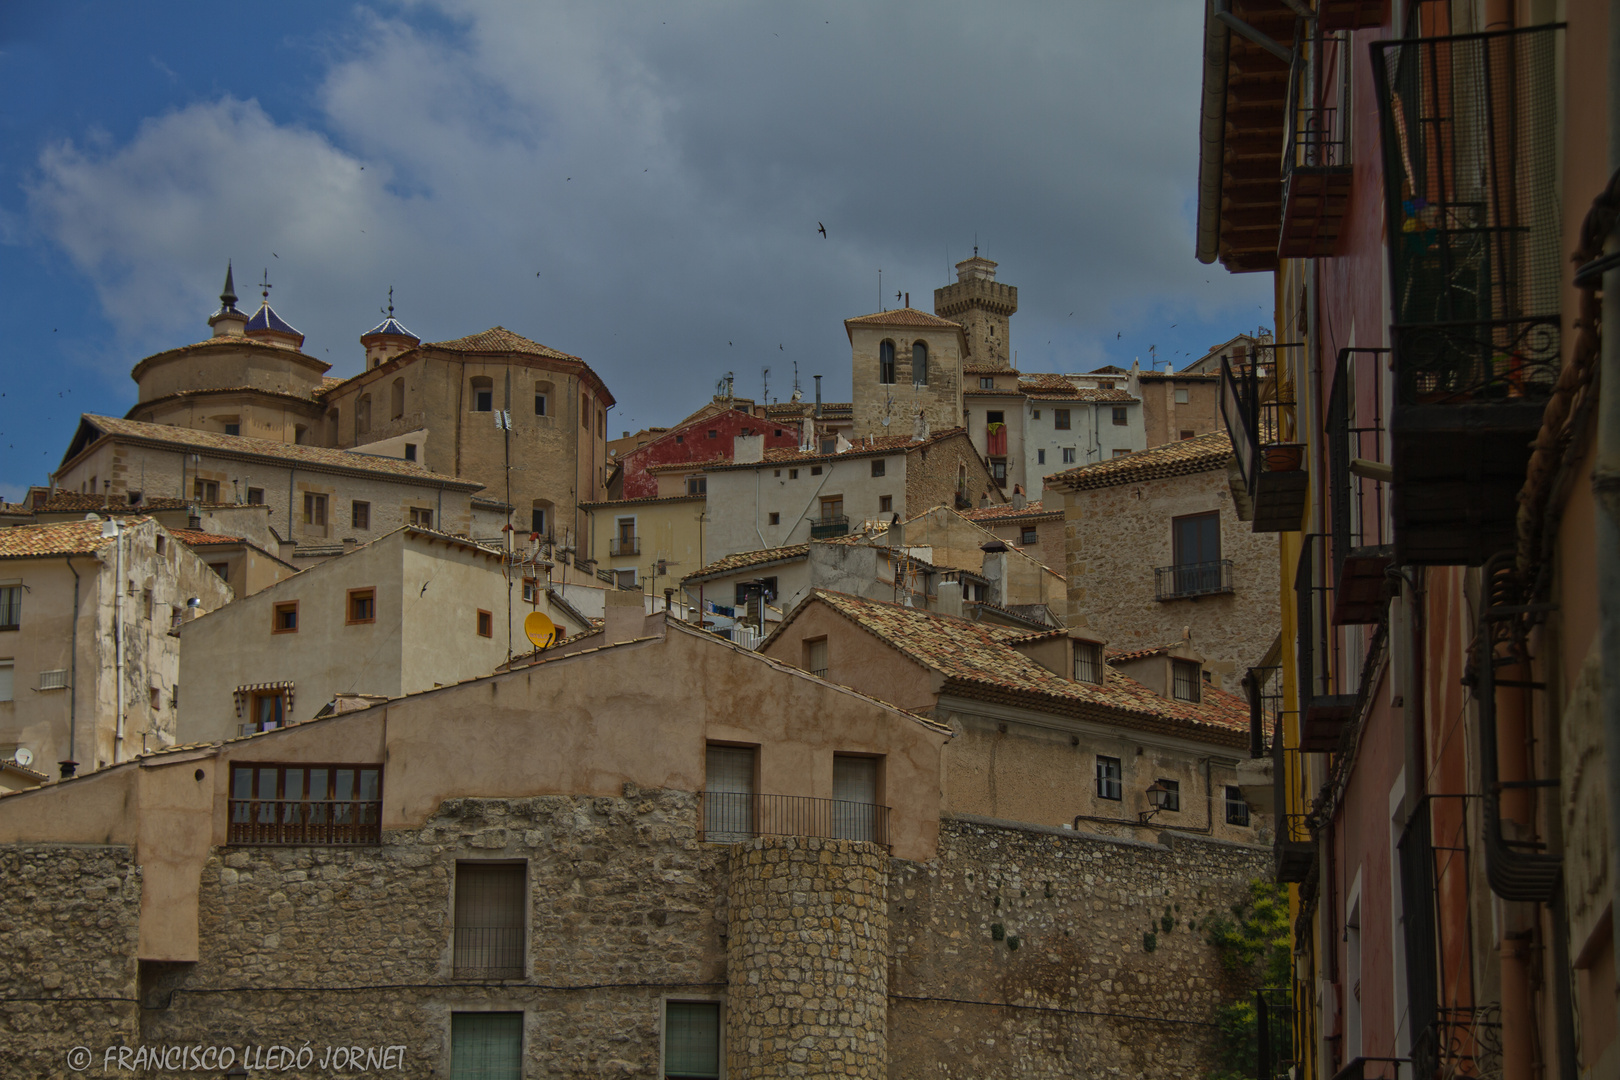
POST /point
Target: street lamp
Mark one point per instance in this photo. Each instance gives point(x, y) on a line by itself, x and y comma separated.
point(1159, 796)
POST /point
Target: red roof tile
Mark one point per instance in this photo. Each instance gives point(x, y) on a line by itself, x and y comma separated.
point(741, 560)
point(1009, 512)
point(498, 339)
point(902, 317)
point(1201, 453)
point(60, 538)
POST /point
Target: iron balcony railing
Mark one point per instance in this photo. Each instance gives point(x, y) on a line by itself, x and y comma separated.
point(293, 822)
point(489, 952)
point(730, 817)
point(1189, 580)
point(825, 527)
point(625, 545)
point(1359, 486)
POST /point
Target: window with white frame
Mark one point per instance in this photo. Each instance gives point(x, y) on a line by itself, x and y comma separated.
point(1108, 778)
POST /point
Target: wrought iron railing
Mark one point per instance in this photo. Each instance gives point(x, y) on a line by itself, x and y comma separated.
point(624, 545)
point(1358, 492)
point(489, 952)
point(293, 821)
point(1258, 411)
point(1469, 131)
point(825, 527)
point(1187, 580)
point(730, 817)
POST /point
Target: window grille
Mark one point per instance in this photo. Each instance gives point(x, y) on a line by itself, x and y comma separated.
point(486, 1046)
point(691, 1040)
point(490, 920)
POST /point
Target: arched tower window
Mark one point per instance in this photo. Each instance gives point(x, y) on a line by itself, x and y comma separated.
point(886, 362)
point(398, 410)
point(919, 364)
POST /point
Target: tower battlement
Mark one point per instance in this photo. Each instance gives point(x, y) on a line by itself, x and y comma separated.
point(983, 306)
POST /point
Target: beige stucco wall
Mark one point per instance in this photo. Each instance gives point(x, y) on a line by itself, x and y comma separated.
point(227, 365)
point(741, 501)
point(258, 416)
point(672, 531)
point(1117, 536)
point(856, 659)
point(956, 542)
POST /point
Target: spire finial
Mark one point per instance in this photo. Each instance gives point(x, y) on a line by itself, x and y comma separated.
point(390, 301)
point(265, 286)
point(227, 299)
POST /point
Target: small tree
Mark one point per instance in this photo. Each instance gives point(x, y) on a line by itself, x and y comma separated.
point(1255, 945)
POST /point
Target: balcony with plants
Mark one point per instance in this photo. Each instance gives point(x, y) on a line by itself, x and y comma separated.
point(1258, 411)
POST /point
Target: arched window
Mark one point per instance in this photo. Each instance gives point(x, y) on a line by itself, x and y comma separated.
point(398, 410)
point(919, 364)
point(483, 394)
point(362, 415)
point(886, 362)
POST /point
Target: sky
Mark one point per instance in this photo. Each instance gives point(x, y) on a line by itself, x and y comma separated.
point(638, 184)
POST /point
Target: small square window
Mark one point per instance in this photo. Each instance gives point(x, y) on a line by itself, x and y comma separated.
point(1237, 807)
point(255, 496)
point(222, 569)
point(486, 624)
point(1027, 536)
point(360, 518)
point(793, 474)
point(1060, 419)
point(697, 485)
point(421, 517)
point(233, 429)
point(713, 434)
point(1108, 778)
point(1181, 397)
point(986, 383)
point(1172, 799)
point(285, 618)
point(879, 465)
point(410, 451)
point(1035, 415)
point(1068, 455)
point(483, 401)
point(1121, 453)
point(362, 606)
point(1120, 416)
point(680, 438)
point(815, 470)
point(776, 518)
point(885, 504)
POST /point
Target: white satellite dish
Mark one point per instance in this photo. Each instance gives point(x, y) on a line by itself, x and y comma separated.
point(23, 756)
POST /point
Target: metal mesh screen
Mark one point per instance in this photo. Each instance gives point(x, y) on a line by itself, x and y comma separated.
point(1469, 133)
point(489, 920)
point(486, 1046)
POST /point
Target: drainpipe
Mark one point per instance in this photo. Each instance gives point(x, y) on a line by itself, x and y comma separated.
point(1606, 489)
point(70, 766)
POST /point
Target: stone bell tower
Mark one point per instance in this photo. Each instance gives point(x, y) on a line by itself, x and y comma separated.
point(983, 306)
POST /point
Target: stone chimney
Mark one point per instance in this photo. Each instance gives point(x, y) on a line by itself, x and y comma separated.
point(995, 572)
point(1018, 500)
point(624, 616)
point(748, 449)
point(949, 597)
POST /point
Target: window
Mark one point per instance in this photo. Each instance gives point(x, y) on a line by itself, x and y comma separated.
point(1060, 419)
point(1040, 457)
point(815, 470)
point(1237, 808)
point(1120, 417)
point(539, 404)
point(8, 671)
point(886, 362)
point(1184, 680)
point(1185, 435)
point(11, 606)
point(998, 470)
point(1108, 778)
point(691, 1040)
point(396, 395)
point(205, 490)
point(1088, 662)
point(410, 451)
point(537, 520)
point(1027, 535)
point(995, 416)
point(986, 382)
point(490, 920)
point(284, 618)
point(134, 498)
point(362, 415)
point(1121, 453)
point(919, 364)
point(885, 504)
point(486, 1046)
point(1196, 548)
point(483, 394)
point(585, 413)
point(697, 485)
point(829, 444)
point(793, 474)
point(255, 496)
point(776, 518)
point(1105, 384)
point(233, 429)
point(625, 579)
point(421, 517)
point(1068, 455)
point(728, 793)
point(1036, 414)
point(1172, 798)
point(154, 697)
point(879, 466)
point(486, 624)
point(314, 512)
point(855, 788)
point(713, 434)
point(815, 657)
point(305, 804)
point(362, 606)
point(360, 514)
point(680, 438)
point(832, 507)
point(1181, 397)
point(768, 585)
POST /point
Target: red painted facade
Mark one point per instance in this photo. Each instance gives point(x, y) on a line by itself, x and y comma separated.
point(703, 439)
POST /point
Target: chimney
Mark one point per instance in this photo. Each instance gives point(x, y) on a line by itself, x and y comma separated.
point(949, 598)
point(1018, 500)
point(623, 615)
point(818, 397)
point(748, 449)
point(995, 572)
point(919, 428)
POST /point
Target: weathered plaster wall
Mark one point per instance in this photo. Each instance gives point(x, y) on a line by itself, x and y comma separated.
point(940, 401)
point(704, 440)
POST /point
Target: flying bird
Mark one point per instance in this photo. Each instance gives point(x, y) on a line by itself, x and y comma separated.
point(423, 593)
point(822, 229)
point(1118, 335)
point(273, 255)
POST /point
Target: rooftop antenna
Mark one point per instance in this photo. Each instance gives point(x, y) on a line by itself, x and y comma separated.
point(765, 397)
point(880, 290)
point(797, 393)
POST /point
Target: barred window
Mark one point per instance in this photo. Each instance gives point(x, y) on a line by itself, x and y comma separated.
point(1237, 808)
point(1184, 679)
point(490, 920)
point(1087, 662)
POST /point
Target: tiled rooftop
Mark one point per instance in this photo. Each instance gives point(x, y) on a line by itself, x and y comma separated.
point(980, 660)
point(1201, 453)
point(741, 560)
point(902, 317)
point(883, 444)
point(198, 538)
point(991, 514)
point(241, 445)
point(61, 538)
point(498, 339)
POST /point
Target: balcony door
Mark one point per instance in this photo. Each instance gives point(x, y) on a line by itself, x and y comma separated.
point(728, 793)
point(855, 782)
point(1196, 540)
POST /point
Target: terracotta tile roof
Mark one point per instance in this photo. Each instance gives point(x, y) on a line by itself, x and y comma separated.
point(315, 457)
point(806, 408)
point(686, 466)
point(987, 369)
point(977, 660)
point(60, 538)
point(882, 444)
point(741, 560)
point(901, 317)
point(327, 382)
point(613, 504)
point(198, 538)
point(1201, 453)
point(1123, 656)
point(1009, 512)
point(74, 502)
point(498, 339)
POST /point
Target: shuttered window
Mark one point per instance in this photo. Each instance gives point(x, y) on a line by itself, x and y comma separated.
point(692, 1039)
point(489, 920)
point(855, 797)
point(486, 1046)
point(728, 794)
point(7, 673)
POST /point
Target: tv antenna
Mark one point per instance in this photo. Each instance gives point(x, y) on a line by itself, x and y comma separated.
point(765, 397)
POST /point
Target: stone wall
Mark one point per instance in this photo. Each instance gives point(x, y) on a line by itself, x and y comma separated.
point(1034, 952)
point(68, 967)
point(933, 471)
point(806, 957)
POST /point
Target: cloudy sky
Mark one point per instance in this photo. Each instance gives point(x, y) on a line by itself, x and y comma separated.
point(637, 184)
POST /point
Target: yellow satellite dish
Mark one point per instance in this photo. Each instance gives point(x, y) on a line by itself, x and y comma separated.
point(539, 629)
